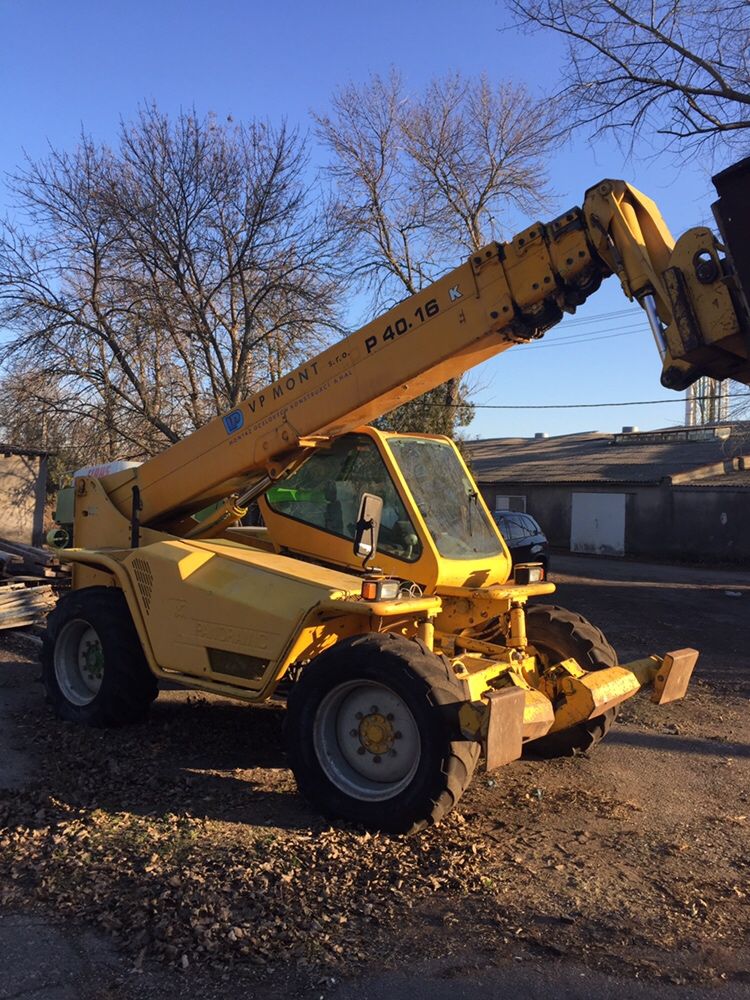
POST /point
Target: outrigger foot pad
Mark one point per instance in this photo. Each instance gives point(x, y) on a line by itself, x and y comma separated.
point(673, 676)
point(504, 735)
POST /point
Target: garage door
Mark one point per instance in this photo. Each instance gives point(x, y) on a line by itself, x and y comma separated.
point(597, 523)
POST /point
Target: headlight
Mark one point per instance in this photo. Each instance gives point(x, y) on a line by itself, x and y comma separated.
point(528, 573)
point(535, 548)
point(380, 590)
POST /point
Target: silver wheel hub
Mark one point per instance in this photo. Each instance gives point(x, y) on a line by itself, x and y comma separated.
point(79, 662)
point(367, 740)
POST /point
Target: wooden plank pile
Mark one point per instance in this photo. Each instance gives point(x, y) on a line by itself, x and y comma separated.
point(27, 560)
point(24, 603)
point(29, 578)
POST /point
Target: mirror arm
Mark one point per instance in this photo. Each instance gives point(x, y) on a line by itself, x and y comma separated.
point(362, 527)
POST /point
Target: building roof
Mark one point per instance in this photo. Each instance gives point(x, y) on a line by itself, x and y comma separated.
point(739, 480)
point(676, 455)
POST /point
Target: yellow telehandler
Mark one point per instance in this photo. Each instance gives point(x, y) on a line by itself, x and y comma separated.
point(395, 678)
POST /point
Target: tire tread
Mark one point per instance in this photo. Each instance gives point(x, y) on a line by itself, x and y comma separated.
point(441, 689)
point(130, 687)
point(588, 644)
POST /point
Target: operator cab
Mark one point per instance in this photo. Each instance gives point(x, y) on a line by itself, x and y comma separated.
point(434, 525)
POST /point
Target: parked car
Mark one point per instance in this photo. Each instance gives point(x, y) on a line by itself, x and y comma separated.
point(523, 536)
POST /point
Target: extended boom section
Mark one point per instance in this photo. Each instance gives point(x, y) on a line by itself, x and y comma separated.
point(504, 295)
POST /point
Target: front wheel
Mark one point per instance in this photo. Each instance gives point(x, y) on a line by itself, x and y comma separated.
point(93, 667)
point(372, 734)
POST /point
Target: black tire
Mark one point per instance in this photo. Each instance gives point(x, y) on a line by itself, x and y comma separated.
point(443, 762)
point(126, 686)
point(557, 634)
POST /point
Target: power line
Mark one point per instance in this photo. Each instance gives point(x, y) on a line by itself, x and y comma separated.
point(600, 317)
point(564, 332)
point(577, 406)
point(580, 339)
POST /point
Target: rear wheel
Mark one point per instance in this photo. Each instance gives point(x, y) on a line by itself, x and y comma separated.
point(557, 634)
point(373, 737)
point(93, 666)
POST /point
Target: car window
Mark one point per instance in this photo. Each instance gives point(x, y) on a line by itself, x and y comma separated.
point(530, 524)
point(500, 522)
point(511, 529)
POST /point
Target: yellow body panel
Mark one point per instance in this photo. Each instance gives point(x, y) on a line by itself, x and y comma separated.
point(219, 596)
point(198, 607)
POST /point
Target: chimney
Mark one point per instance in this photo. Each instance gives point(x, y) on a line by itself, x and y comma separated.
point(540, 435)
point(630, 430)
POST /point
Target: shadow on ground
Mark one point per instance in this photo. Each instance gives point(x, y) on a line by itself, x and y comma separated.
point(675, 744)
point(194, 757)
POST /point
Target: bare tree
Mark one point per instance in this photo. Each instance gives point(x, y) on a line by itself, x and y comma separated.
point(36, 413)
point(422, 178)
point(679, 69)
point(476, 152)
point(153, 283)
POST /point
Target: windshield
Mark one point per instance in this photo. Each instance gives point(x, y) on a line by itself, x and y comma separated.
point(446, 498)
point(325, 493)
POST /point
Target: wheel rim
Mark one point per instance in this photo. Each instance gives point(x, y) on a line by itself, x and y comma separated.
point(79, 662)
point(367, 741)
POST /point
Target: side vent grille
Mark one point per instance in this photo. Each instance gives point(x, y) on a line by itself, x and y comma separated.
point(145, 580)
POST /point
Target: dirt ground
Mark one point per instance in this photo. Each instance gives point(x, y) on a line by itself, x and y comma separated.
point(183, 846)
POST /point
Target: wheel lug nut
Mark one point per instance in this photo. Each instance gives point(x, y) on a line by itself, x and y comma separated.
point(392, 753)
point(360, 751)
point(353, 732)
point(390, 716)
point(397, 736)
point(374, 709)
point(358, 715)
point(377, 760)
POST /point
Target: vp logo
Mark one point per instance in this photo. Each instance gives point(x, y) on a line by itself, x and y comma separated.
point(233, 421)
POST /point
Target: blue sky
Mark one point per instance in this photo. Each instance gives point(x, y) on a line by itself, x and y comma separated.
point(64, 66)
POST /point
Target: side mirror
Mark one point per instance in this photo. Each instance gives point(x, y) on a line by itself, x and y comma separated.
point(367, 527)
